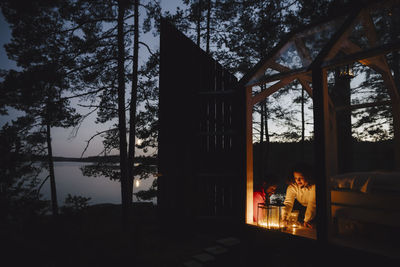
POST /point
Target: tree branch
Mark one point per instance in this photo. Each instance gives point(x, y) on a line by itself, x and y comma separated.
point(148, 48)
point(84, 94)
point(40, 187)
point(75, 130)
point(91, 138)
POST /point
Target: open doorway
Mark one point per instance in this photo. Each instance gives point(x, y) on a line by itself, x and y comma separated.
point(282, 139)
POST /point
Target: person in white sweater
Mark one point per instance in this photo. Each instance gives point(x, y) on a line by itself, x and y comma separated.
point(301, 193)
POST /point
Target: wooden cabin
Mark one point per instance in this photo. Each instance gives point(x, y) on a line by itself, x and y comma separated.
point(206, 139)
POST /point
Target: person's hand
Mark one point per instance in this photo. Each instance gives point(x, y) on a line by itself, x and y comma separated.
point(308, 225)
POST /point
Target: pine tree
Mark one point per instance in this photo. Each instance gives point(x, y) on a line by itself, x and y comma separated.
point(40, 50)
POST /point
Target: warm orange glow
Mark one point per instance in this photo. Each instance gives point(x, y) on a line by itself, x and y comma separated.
point(348, 73)
point(269, 217)
point(249, 155)
point(270, 225)
point(137, 183)
point(249, 201)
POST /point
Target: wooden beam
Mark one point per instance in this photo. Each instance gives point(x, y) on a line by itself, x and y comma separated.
point(284, 69)
point(293, 74)
point(373, 62)
point(278, 67)
point(379, 64)
point(370, 31)
point(306, 87)
point(263, 66)
point(344, 36)
point(249, 156)
point(367, 53)
point(270, 90)
point(309, 90)
point(333, 45)
point(369, 28)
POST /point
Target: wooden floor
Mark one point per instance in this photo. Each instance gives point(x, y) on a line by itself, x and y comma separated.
point(302, 231)
point(298, 231)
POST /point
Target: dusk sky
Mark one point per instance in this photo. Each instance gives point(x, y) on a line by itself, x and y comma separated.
point(63, 144)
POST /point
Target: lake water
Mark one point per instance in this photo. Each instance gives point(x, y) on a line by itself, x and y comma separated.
point(70, 180)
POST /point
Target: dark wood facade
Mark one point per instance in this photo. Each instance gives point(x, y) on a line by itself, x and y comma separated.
point(201, 133)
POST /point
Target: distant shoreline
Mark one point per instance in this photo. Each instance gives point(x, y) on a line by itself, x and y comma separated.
point(88, 159)
point(108, 159)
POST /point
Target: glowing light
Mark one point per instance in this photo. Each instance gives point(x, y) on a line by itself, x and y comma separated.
point(269, 216)
point(137, 183)
point(270, 225)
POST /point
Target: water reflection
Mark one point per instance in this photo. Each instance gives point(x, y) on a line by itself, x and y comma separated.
point(70, 180)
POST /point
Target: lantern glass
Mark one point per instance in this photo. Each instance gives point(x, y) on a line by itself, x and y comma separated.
point(347, 71)
point(293, 219)
point(269, 216)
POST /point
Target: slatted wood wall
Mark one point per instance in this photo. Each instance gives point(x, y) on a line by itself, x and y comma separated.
point(202, 132)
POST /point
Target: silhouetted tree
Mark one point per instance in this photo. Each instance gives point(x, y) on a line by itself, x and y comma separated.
point(41, 51)
point(111, 36)
point(20, 168)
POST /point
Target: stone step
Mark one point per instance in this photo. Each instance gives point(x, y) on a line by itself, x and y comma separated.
point(228, 242)
point(205, 259)
point(216, 250)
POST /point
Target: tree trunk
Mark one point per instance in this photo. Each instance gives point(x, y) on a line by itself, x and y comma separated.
point(122, 116)
point(341, 97)
point(53, 190)
point(208, 27)
point(198, 24)
point(132, 109)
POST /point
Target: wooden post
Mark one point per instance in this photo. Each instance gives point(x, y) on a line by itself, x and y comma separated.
point(249, 156)
point(321, 116)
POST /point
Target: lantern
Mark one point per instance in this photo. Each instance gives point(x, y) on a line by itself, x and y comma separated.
point(293, 219)
point(269, 216)
point(346, 71)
